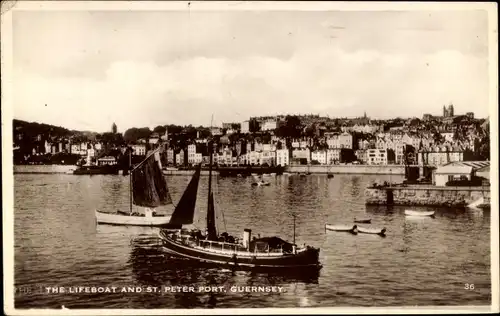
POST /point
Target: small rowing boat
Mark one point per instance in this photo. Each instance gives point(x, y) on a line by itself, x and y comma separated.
point(374, 231)
point(342, 228)
point(362, 221)
point(417, 213)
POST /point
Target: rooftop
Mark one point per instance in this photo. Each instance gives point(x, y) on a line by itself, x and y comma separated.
point(464, 167)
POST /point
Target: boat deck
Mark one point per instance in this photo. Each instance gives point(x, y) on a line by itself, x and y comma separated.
point(218, 247)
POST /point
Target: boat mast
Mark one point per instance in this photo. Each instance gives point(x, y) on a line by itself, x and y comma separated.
point(294, 228)
point(130, 177)
point(210, 149)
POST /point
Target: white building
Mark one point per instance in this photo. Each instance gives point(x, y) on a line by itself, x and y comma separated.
point(191, 149)
point(198, 158)
point(216, 131)
point(282, 157)
point(139, 150)
point(268, 157)
point(253, 158)
point(333, 155)
point(451, 172)
point(269, 125)
point(320, 156)
point(302, 154)
point(377, 156)
point(48, 147)
point(343, 140)
point(179, 157)
point(245, 127)
point(170, 155)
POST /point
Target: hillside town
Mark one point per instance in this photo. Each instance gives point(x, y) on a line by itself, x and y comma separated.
point(273, 140)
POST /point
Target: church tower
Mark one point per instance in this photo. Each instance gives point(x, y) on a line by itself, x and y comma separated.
point(451, 110)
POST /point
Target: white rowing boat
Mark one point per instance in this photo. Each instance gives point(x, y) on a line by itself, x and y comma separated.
point(341, 228)
point(122, 218)
point(418, 213)
point(368, 230)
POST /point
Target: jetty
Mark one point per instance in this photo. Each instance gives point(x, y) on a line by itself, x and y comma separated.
point(427, 195)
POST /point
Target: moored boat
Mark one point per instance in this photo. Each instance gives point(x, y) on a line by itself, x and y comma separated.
point(148, 190)
point(342, 228)
point(225, 250)
point(93, 169)
point(362, 220)
point(148, 218)
point(419, 213)
point(375, 231)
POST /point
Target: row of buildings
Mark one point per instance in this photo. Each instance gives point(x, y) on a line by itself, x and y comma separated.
point(431, 141)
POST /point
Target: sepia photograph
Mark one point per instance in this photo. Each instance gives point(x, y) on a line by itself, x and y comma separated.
point(249, 157)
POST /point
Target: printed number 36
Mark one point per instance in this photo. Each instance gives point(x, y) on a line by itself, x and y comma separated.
point(469, 286)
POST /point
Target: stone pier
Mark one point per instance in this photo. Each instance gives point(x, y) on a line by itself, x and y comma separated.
point(425, 195)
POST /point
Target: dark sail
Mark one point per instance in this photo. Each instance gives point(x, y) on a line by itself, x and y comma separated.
point(211, 229)
point(148, 184)
point(184, 212)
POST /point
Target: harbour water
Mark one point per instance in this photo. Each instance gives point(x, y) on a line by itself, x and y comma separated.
point(428, 261)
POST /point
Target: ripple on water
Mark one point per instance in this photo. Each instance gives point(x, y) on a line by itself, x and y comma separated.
point(420, 262)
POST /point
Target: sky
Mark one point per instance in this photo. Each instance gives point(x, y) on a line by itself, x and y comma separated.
point(85, 70)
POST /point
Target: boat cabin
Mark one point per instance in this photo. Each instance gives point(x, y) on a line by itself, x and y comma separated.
point(261, 246)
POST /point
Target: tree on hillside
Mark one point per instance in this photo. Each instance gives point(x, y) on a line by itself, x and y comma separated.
point(133, 134)
point(253, 125)
point(160, 130)
point(291, 128)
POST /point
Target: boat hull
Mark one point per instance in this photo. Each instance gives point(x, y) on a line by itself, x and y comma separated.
point(416, 213)
point(374, 231)
point(118, 219)
point(84, 170)
point(341, 228)
point(363, 221)
point(307, 258)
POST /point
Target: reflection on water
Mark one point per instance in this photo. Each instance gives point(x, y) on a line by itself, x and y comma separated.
point(420, 262)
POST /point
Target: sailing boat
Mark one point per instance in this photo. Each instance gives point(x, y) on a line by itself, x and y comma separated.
point(148, 190)
point(227, 251)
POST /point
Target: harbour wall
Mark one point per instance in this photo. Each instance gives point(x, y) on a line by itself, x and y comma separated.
point(426, 195)
point(48, 169)
point(348, 169)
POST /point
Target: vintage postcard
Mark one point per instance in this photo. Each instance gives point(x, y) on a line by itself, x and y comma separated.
point(249, 157)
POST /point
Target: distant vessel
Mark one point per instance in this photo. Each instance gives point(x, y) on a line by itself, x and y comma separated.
point(93, 169)
point(106, 168)
point(148, 190)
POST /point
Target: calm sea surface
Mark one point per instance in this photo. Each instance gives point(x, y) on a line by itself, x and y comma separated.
point(421, 262)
